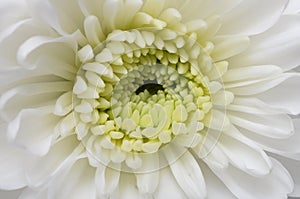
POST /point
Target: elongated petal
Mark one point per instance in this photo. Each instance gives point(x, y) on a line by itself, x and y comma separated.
point(271, 47)
point(248, 18)
point(276, 126)
point(77, 183)
point(61, 156)
point(245, 154)
point(286, 147)
point(107, 179)
point(190, 180)
point(284, 96)
point(148, 178)
point(215, 187)
point(11, 172)
point(38, 141)
point(168, 187)
point(277, 184)
point(293, 167)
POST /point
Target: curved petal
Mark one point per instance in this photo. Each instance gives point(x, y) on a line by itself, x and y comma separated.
point(272, 46)
point(148, 176)
point(11, 12)
point(186, 172)
point(215, 187)
point(276, 185)
point(168, 187)
point(127, 188)
point(203, 9)
point(293, 7)
point(30, 96)
point(107, 179)
point(39, 140)
point(14, 36)
point(286, 147)
point(257, 86)
point(13, 163)
point(252, 17)
point(284, 96)
point(69, 14)
point(61, 155)
point(245, 154)
point(274, 126)
point(77, 183)
point(293, 167)
point(32, 49)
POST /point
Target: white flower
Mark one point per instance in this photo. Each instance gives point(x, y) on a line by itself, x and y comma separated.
point(150, 99)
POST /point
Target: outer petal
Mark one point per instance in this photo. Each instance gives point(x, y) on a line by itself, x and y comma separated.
point(280, 45)
point(244, 154)
point(12, 11)
point(77, 183)
point(276, 185)
point(293, 167)
point(61, 156)
point(168, 187)
point(13, 163)
point(285, 96)
point(252, 16)
point(39, 140)
point(215, 187)
point(127, 188)
point(186, 172)
point(293, 7)
point(287, 147)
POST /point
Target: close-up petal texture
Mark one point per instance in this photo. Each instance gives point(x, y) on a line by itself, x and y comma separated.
point(140, 99)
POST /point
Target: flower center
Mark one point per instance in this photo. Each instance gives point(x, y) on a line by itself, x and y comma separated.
point(140, 90)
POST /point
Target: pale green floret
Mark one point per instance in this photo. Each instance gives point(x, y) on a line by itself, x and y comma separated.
point(145, 87)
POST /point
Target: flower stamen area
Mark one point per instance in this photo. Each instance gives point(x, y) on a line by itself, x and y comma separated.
point(140, 90)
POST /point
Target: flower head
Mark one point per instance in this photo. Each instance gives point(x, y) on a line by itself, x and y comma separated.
point(150, 99)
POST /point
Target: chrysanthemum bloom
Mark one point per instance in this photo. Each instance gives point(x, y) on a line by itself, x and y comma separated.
point(150, 99)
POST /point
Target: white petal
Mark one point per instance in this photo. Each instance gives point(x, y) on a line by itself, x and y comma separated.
point(61, 155)
point(228, 46)
point(250, 73)
point(276, 126)
point(107, 179)
point(147, 176)
point(186, 172)
point(211, 151)
point(14, 36)
point(215, 187)
point(77, 183)
point(13, 162)
point(279, 45)
point(252, 106)
point(252, 17)
point(257, 86)
point(244, 154)
point(168, 187)
point(293, 7)
point(39, 140)
point(202, 9)
point(11, 12)
point(127, 188)
point(29, 95)
point(31, 50)
point(275, 185)
point(285, 96)
point(64, 104)
point(68, 14)
point(287, 147)
point(293, 167)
